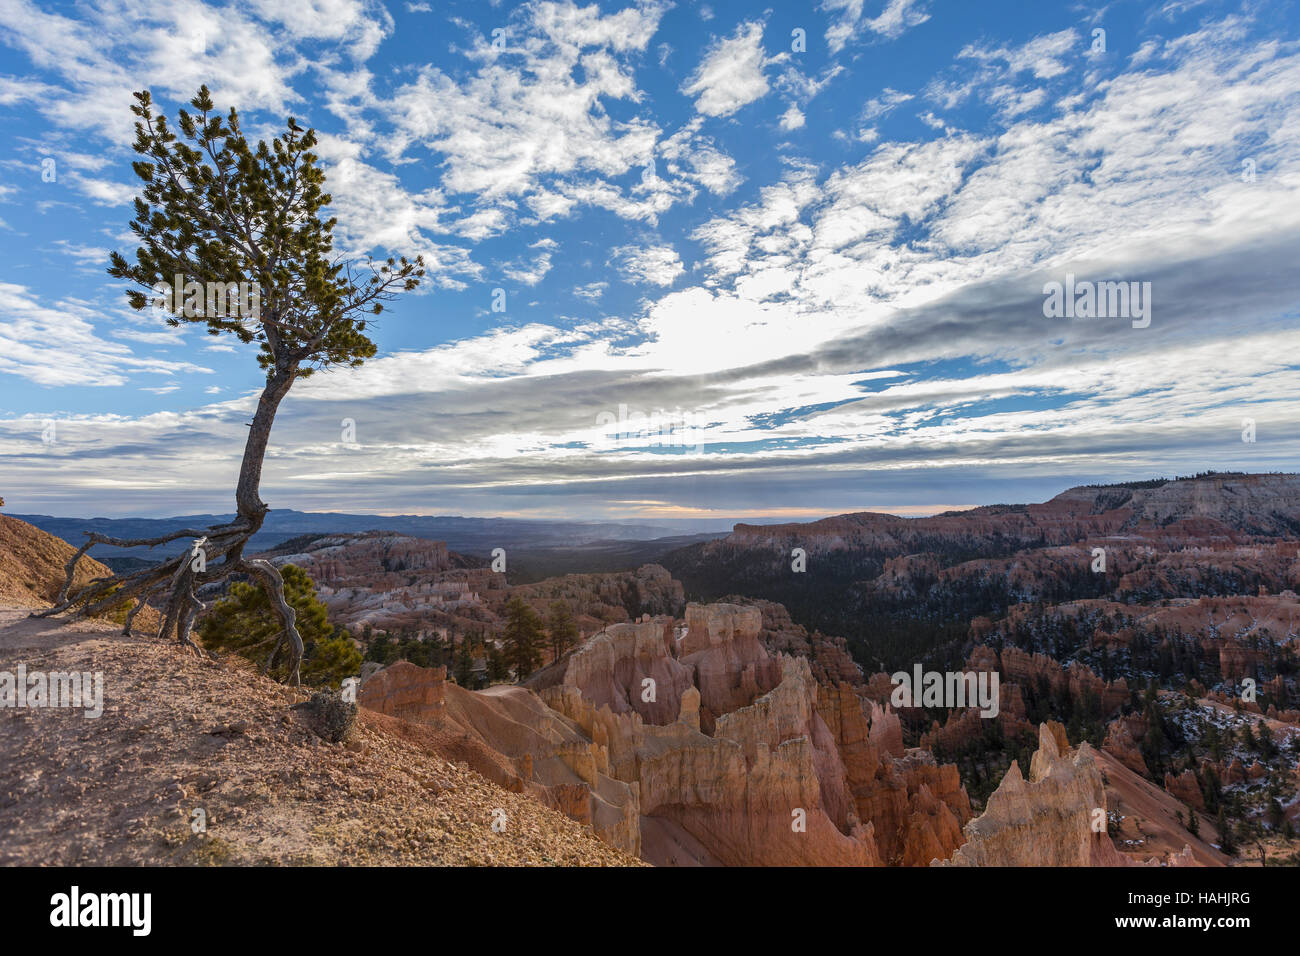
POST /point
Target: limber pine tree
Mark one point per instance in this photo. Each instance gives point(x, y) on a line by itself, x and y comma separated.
point(215, 211)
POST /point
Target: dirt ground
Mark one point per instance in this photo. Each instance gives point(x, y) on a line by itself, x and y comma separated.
point(180, 734)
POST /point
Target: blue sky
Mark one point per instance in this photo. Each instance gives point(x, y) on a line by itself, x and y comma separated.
point(796, 254)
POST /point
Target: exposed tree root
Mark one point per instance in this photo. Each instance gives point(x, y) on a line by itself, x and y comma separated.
point(217, 554)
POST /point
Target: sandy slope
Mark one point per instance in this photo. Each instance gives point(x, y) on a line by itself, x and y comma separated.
point(32, 565)
point(1151, 816)
point(179, 733)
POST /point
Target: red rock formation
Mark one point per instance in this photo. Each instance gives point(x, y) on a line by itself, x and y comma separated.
point(886, 730)
point(879, 688)
point(1077, 679)
point(1186, 788)
point(508, 735)
point(1236, 662)
point(406, 691)
point(1226, 509)
point(767, 785)
point(398, 583)
point(598, 600)
point(1120, 744)
point(915, 807)
point(394, 582)
point(612, 668)
point(829, 657)
point(1050, 819)
point(730, 664)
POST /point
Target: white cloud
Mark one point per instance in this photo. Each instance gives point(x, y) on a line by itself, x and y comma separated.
point(884, 104)
point(56, 344)
point(246, 55)
point(695, 158)
point(530, 129)
point(85, 256)
point(897, 17)
point(375, 212)
point(648, 265)
point(1043, 56)
point(830, 276)
point(732, 73)
point(528, 273)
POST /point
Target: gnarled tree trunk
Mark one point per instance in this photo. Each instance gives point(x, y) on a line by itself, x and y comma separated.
point(223, 545)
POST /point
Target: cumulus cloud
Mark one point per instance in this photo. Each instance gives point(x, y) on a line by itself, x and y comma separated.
point(528, 273)
point(861, 327)
point(732, 73)
point(248, 53)
point(648, 265)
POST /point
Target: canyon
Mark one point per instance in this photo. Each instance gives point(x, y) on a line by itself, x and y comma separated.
point(695, 746)
point(399, 584)
point(723, 709)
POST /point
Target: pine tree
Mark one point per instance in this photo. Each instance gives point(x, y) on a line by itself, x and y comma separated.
point(464, 666)
point(1266, 744)
point(1215, 742)
point(498, 667)
point(561, 627)
point(1276, 814)
point(328, 663)
point(1226, 842)
point(1212, 789)
point(244, 623)
point(522, 637)
point(221, 216)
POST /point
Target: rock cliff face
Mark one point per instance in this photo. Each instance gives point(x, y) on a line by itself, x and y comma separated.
point(1227, 504)
point(747, 758)
point(611, 670)
point(1122, 745)
point(1076, 679)
point(726, 748)
point(692, 744)
point(1185, 788)
point(376, 555)
point(829, 657)
point(1045, 820)
point(1218, 535)
point(510, 737)
point(609, 598)
point(1056, 817)
point(915, 806)
point(404, 690)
